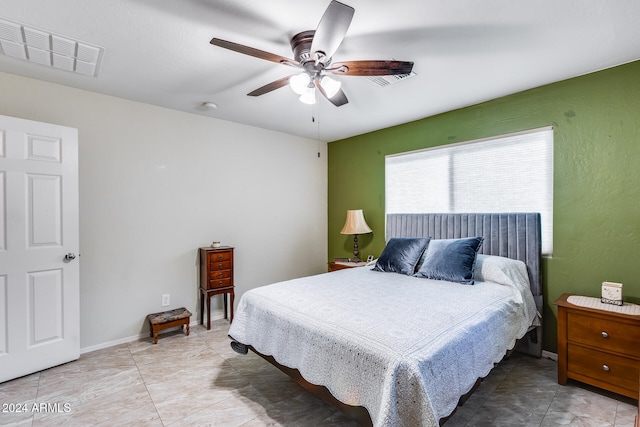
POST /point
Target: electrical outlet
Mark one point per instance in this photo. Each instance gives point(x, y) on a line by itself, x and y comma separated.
point(166, 300)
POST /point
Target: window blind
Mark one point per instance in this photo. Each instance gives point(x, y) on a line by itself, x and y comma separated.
point(507, 173)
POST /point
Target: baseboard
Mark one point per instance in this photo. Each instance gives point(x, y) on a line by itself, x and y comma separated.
point(549, 355)
point(142, 335)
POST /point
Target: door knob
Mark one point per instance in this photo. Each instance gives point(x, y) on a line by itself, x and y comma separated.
point(69, 257)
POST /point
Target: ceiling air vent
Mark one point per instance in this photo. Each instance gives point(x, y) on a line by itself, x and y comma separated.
point(42, 47)
point(383, 81)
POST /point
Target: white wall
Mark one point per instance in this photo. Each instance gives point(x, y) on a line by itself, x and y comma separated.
point(156, 184)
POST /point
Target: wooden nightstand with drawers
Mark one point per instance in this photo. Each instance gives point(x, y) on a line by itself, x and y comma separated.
point(598, 347)
point(216, 278)
point(337, 265)
point(638, 416)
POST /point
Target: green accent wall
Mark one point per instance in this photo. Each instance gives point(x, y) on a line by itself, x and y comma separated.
point(596, 120)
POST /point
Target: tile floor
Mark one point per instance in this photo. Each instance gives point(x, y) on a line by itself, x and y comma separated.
point(199, 381)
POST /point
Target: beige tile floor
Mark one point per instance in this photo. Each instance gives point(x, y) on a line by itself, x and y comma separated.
point(199, 381)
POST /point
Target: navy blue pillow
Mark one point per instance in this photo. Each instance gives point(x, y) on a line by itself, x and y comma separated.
point(451, 259)
point(401, 255)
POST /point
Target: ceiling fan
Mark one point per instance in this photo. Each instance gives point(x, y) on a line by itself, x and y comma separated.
point(313, 51)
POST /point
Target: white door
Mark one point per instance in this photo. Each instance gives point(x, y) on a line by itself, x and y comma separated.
point(39, 288)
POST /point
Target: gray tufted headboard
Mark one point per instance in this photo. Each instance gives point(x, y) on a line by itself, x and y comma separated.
point(511, 235)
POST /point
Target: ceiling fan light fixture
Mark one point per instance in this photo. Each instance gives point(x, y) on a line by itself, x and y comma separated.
point(299, 83)
point(308, 96)
point(330, 86)
point(313, 51)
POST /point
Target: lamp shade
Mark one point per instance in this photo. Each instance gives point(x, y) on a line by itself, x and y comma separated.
point(355, 223)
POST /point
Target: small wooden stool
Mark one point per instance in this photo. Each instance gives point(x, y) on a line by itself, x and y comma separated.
point(168, 319)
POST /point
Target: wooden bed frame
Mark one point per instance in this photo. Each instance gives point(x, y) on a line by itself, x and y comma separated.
point(511, 235)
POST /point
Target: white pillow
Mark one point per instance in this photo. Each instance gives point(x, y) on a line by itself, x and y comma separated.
point(512, 273)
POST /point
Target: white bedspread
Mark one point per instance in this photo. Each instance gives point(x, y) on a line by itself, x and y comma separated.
point(405, 348)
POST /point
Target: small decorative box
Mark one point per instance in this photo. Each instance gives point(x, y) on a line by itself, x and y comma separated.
point(611, 293)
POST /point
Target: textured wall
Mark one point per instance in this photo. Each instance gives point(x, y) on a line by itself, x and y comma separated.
point(596, 176)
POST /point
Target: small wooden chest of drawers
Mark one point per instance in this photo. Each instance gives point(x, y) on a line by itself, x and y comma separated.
point(216, 278)
point(219, 268)
point(598, 347)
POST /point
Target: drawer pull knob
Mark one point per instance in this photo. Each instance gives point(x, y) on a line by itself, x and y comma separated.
point(219, 256)
point(219, 265)
point(605, 335)
point(605, 368)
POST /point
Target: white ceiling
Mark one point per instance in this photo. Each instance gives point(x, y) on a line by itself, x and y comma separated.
point(465, 52)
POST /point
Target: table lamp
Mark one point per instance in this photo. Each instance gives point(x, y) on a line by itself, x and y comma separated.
point(355, 224)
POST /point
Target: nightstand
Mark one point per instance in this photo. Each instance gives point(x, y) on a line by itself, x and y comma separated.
point(598, 347)
point(638, 416)
point(335, 266)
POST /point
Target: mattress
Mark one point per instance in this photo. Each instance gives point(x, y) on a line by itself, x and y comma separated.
point(405, 348)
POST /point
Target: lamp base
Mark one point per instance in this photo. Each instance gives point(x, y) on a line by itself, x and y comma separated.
point(356, 250)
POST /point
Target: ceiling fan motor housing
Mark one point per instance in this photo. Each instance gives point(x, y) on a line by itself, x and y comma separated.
point(301, 46)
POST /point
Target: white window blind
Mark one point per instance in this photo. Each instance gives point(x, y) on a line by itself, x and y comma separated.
point(508, 173)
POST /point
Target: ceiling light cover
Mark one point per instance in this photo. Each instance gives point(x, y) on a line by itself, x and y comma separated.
point(42, 47)
point(330, 86)
point(299, 83)
point(309, 96)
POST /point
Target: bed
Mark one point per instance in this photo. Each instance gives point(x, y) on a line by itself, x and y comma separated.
point(392, 349)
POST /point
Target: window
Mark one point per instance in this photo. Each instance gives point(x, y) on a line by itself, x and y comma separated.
point(508, 173)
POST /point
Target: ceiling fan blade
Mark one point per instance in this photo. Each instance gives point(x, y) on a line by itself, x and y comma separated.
point(270, 86)
point(371, 68)
point(338, 99)
point(332, 28)
point(254, 52)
